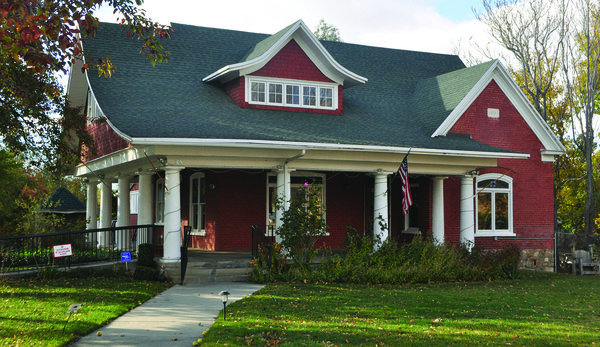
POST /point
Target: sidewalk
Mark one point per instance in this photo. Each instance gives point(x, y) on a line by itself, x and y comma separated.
point(176, 317)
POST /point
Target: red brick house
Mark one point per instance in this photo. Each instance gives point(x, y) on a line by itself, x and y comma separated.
point(236, 119)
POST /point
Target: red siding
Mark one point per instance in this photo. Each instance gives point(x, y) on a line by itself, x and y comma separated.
point(106, 140)
point(292, 63)
point(532, 178)
point(452, 210)
point(345, 203)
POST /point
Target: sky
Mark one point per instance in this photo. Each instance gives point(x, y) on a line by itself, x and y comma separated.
point(438, 26)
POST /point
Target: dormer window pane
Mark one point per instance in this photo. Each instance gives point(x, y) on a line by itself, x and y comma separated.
point(309, 96)
point(275, 93)
point(292, 95)
point(258, 92)
point(325, 97)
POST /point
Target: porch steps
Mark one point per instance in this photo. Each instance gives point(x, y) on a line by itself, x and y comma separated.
point(205, 266)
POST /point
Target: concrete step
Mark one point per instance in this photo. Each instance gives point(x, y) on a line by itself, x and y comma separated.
point(209, 271)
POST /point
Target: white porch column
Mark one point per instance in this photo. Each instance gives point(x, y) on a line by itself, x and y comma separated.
point(145, 206)
point(172, 226)
point(122, 236)
point(438, 210)
point(284, 194)
point(467, 212)
point(91, 210)
point(105, 212)
point(380, 208)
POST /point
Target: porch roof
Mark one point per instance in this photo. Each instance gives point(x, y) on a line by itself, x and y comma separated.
point(407, 96)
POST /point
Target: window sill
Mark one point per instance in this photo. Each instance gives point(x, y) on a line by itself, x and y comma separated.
point(412, 231)
point(198, 233)
point(494, 234)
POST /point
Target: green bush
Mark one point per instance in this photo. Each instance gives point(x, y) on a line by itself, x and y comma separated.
point(146, 255)
point(145, 273)
point(420, 261)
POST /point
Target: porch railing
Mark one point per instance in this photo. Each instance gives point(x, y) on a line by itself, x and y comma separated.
point(34, 251)
point(263, 236)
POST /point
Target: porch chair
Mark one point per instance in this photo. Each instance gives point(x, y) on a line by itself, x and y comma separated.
point(583, 261)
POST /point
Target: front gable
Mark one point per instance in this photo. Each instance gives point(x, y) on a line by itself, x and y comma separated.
point(502, 91)
point(492, 119)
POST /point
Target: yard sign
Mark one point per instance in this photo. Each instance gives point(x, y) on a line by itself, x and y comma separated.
point(62, 250)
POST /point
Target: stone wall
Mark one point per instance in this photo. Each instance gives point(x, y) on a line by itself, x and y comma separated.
point(537, 259)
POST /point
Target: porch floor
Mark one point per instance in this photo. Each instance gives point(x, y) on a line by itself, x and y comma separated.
point(213, 266)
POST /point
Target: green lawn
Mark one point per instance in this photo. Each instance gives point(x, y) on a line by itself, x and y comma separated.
point(33, 312)
point(537, 309)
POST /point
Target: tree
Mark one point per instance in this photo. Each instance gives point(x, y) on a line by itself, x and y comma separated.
point(581, 62)
point(38, 40)
point(327, 32)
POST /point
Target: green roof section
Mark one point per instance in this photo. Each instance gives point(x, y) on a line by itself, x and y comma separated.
point(435, 98)
point(396, 108)
point(263, 46)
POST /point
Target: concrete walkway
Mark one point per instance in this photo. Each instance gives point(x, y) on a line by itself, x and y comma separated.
point(176, 317)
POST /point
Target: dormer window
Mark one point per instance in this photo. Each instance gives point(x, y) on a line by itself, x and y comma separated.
point(291, 93)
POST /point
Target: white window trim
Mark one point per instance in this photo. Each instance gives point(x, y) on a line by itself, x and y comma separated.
point(494, 232)
point(284, 82)
point(134, 201)
point(159, 203)
point(197, 232)
point(303, 174)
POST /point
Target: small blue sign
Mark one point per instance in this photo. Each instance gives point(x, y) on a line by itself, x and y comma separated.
point(125, 257)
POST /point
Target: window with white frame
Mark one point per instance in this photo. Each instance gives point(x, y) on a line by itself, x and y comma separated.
point(160, 202)
point(291, 93)
point(198, 204)
point(298, 180)
point(133, 201)
point(494, 205)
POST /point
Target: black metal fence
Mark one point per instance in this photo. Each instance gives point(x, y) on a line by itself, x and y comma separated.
point(566, 243)
point(263, 236)
point(63, 249)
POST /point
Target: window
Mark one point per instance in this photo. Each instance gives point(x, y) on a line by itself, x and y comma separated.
point(310, 96)
point(133, 201)
point(298, 180)
point(494, 205)
point(198, 204)
point(325, 97)
point(275, 93)
point(258, 92)
point(291, 93)
point(160, 202)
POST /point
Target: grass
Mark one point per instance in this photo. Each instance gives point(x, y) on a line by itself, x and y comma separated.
point(33, 312)
point(537, 309)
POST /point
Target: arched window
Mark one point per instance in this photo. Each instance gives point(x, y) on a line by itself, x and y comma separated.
point(198, 204)
point(494, 205)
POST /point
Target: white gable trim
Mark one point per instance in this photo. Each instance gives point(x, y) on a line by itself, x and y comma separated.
point(312, 47)
point(498, 73)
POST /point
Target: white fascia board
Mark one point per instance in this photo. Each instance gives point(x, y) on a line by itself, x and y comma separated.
point(313, 145)
point(498, 73)
point(261, 60)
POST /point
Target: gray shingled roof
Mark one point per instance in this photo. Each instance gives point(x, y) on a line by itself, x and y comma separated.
point(63, 201)
point(407, 96)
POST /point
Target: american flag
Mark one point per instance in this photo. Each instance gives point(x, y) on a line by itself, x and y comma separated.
point(406, 196)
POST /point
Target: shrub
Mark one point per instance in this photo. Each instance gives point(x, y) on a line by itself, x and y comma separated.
point(146, 255)
point(145, 273)
point(302, 225)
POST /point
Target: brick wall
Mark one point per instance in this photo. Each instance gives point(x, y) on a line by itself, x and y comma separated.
point(345, 204)
point(106, 140)
point(452, 210)
point(292, 63)
point(532, 178)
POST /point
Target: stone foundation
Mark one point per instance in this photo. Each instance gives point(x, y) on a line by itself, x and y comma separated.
point(537, 259)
